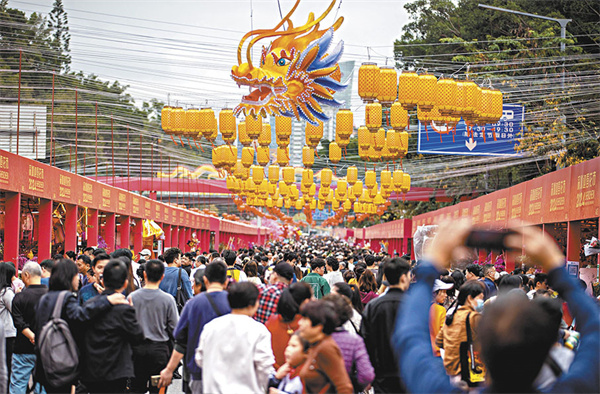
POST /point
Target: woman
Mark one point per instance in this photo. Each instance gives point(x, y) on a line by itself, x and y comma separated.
point(437, 312)
point(454, 331)
point(7, 274)
point(352, 346)
point(65, 277)
point(283, 324)
point(459, 278)
point(324, 370)
point(367, 286)
point(353, 295)
point(251, 271)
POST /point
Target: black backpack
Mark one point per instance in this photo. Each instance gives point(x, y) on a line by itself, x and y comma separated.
point(181, 297)
point(58, 351)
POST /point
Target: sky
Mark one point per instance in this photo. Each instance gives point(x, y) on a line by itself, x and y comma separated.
point(182, 51)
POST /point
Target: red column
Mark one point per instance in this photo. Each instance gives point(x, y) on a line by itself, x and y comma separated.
point(187, 235)
point(109, 231)
point(12, 226)
point(71, 228)
point(93, 227)
point(175, 237)
point(124, 231)
point(167, 230)
point(138, 239)
point(45, 230)
point(573, 240)
point(182, 240)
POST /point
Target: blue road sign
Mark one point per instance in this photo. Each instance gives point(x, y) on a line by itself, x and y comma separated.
point(322, 214)
point(499, 138)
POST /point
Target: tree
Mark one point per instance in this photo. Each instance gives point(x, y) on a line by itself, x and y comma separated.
point(61, 37)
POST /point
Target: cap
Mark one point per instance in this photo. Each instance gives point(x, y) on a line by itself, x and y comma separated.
point(285, 270)
point(145, 252)
point(439, 285)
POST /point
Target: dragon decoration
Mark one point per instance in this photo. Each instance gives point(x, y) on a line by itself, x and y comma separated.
point(296, 75)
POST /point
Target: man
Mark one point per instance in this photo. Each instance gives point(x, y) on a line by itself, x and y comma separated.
point(370, 261)
point(83, 266)
point(89, 252)
point(173, 272)
point(515, 335)
point(377, 327)
point(23, 314)
point(186, 262)
point(91, 290)
point(472, 272)
point(269, 295)
point(489, 276)
point(46, 267)
point(197, 312)
point(315, 279)
point(333, 275)
point(107, 347)
point(235, 351)
point(157, 313)
point(235, 274)
point(540, 282)
point(145, 254)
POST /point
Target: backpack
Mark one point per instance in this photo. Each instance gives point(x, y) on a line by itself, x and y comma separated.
point(58, 352)
point(181, 297)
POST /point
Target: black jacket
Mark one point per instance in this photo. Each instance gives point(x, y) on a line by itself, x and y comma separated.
point(23, 311)
point(107, 349)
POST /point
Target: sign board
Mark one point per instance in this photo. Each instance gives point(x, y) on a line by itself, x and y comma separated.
point(500, 138)
point(573, 268)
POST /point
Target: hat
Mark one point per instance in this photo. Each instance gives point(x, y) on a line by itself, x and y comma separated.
point(284, 270)
point(439, 285)
point(145, 252)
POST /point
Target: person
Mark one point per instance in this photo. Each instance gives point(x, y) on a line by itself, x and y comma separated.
point(251, 271)
point(7, 294)
point(378, 322)
point(490, 275)
point(3, 371)
point(287, 378)
point(198, 286)
point(235, 350)
point(352, 294)
point(333, 274)
point(126, 256)
point(472, 271)
point(540, 282)
point(319, 284)
point(83, 264)
point(93, 289)
point(235, 274)
point(107, 347)
point(324, 370)
point(197, 312)
point(515, 335)
point(89, 252)
point(46, 266)
point(65, 277)
point(175, 276)
point(356, 359)
point(368, 287)
point(437, 312)
point(156, 312)
point(269, 294)
point(284, 323)
point(23, 311)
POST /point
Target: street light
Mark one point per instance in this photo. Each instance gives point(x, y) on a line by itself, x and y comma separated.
point(563, 29)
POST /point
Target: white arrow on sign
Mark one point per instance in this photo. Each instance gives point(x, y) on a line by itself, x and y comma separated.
point(471, 144)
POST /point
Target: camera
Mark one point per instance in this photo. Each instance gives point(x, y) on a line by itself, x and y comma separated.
point(488, 239)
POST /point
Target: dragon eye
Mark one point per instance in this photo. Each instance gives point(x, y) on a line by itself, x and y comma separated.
point(283, 62)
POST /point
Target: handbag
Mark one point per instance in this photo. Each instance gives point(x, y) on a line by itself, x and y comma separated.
point(181, 297)
point(472, 369)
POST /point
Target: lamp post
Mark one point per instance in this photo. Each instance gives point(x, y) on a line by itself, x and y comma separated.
point(563, 29)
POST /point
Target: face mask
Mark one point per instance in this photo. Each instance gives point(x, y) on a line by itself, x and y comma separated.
point(479, 307)
point(496, 276)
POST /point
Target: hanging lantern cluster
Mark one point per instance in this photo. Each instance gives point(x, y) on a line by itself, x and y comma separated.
point(191, 123)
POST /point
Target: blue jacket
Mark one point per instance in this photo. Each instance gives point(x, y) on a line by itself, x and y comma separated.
point(422, 372)
point(169, 282)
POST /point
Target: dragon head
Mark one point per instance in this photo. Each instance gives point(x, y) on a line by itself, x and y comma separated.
point(296, 75)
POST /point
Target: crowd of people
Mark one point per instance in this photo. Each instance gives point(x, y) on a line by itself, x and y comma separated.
point(314, 315)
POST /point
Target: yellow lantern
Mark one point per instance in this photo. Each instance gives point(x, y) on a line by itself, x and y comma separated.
point(344, 123)
point(313, 134)
point(386, 155)
point(364, 137)
point(308, 157)
point(192, 122)
point(326, 177)
point(216, 159)
point(307, 177)
point(370, 179)
point(177, 120)
point(388, 86)
point(403, 143)
point(279, 203)
point(472, 98)
point(342, 142)
point(445, 100)
point(405, 183)
point(385, 192)
point(283, 126)
point(379, 139)
point(245, 140)
point(352, 175)
point(206, 122)
point(321, 205)
point(294, 192)
point(373, 116)
point(408, 89)
point(299, 205)
point(392, 141)
point(368, 82)
point(357, 189)
point(284, 189)
point(312, 190)
point(373, 191)
point(264, 139)
point(386, 179)
point(227, 125)
point(250, 186)
point(247, 156)
point(335, 153)
point(335, 205)
point(230, 183)
point(165, 119)
point(347, 205)
point(262, 155)
point(283, 156)
point(342, 187)
point(496, 107)
point(378, 200)
point(324, 192)
point(461, 99)
point(358, 207)
point(214, 129)
point(289, 175)
point(269, 203)
point(273, 173)
point(229, 155)
point(263, 187)
point(238, 169)
point(254, 126)
point(288, 203)
point(427, 91)
point(398, 117)
point(282, 140)
point(313, 204)
point(363, 152)
point(374, 154)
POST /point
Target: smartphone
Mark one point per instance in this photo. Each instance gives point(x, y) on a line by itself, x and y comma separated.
point(488, 239)
point(154, 380)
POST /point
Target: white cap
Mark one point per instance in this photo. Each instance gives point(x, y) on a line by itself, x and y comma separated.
point(145, 252)
point(439, 285)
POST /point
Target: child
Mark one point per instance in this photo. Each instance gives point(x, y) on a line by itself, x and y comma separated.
point(287, 379)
